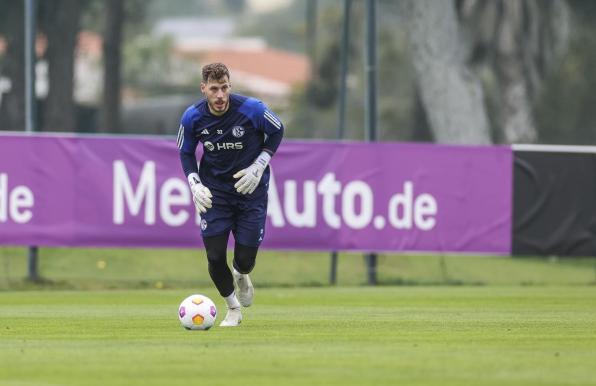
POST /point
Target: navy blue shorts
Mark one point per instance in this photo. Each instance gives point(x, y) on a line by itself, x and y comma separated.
point(244, 217)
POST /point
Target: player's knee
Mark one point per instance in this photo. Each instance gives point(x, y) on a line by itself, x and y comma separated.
point(216, 248)
point(216, 257)
point(244, 264)
point(244, 258)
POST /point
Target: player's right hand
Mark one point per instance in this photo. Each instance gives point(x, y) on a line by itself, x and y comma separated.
point(201, 195)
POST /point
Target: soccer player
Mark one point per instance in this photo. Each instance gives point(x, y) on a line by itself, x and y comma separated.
point(239, 136)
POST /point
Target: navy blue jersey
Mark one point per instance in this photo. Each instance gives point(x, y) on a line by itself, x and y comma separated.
point(231, 142)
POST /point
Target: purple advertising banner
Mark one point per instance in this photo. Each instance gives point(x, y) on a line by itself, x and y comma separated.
point(131, 192)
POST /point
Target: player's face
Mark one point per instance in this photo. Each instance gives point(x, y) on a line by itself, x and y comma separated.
point(217, 93)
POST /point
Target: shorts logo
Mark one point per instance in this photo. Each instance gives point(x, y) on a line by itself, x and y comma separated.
point(238, 131)
point(209, 146)
point(203, 224)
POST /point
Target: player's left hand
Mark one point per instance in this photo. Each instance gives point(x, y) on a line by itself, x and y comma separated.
point(249, 179)
point(251, 176)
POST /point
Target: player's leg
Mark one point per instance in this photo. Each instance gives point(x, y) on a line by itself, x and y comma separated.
point(216, 247)
point(244, 261)
point(249, 233)
point(215, 229)
point(244, 258)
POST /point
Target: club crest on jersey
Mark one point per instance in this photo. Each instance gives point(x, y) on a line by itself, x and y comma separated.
point(203, 224)
point(238, 131)
point(209, 146)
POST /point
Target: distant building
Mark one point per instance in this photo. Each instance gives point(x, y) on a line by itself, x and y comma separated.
point(88, 75)
point(255, 68)
point(267, 73)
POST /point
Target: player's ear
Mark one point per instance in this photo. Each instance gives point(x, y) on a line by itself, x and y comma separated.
point(203, 87)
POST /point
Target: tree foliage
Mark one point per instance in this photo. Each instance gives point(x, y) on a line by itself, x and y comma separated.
point(564, 108)
point(535, 60)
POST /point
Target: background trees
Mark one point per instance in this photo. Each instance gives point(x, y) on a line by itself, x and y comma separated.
point(457, 71)
point(451, 94)
point(12, 110)
point(112, 49)
point(60, 21)
point(520, 42)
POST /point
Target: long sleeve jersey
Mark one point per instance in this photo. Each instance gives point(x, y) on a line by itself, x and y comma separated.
point(231, 142)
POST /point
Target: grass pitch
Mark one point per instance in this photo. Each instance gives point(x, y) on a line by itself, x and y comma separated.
point(423, 335)
point(105, 268)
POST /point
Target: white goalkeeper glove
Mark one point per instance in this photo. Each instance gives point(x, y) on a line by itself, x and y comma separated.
point(251, 176)
point(201, 195)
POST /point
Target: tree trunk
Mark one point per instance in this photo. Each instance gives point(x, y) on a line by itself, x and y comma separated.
point(451, 93)
point(420, 128)
point(62, 26)
point(12, 110)
point(515, 108)
point(522, 41)
point(112, 55)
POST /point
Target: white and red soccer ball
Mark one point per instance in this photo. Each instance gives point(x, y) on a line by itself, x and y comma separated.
point(197, 312)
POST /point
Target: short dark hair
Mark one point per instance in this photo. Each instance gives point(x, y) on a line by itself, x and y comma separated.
point(215, 71)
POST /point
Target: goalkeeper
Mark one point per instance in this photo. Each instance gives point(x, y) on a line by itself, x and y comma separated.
point(239, 136)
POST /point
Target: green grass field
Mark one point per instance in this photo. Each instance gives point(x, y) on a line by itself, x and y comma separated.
point(90, 269)
point(109, 317)
point(423, 335)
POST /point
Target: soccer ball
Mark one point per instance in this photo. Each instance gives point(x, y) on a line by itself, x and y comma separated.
point(197, 312)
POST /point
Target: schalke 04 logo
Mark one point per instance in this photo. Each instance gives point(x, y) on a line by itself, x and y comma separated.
point(238, 131)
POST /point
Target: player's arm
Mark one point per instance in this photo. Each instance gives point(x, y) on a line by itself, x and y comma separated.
point(273, 128)
point(187, 144)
